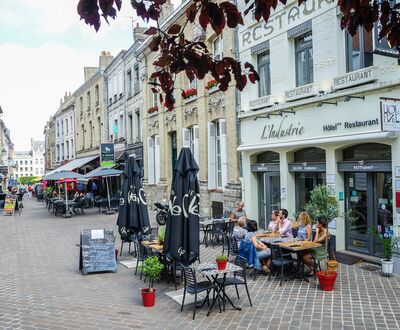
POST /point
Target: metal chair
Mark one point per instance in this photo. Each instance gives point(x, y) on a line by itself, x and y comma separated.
point(194, 287)
point(239, 277)
point(141, 255)
point(280, 260)
point(217, 231)
point(229, 226)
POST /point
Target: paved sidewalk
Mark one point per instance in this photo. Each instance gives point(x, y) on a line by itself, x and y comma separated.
point(42, 288)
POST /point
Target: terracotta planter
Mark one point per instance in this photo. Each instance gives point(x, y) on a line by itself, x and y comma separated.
point(221, 265)
point(326, 280)
point(148, 298)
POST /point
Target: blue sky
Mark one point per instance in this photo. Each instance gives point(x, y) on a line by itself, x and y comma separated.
point(43, 49)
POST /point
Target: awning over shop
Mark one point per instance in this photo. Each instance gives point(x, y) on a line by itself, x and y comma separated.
point(103, 172)
point(72, 165)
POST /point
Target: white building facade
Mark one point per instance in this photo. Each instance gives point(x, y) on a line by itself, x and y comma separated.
point(318, 116)
point(30, 163)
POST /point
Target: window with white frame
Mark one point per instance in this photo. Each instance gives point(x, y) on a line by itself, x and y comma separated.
point(136, 82)
point(264, 84)
point(154, 98)
point(191, 140)
point(88, 101)
point(217, 155)
point(129, 82)
point(193, 83)
point(153, 159)
point(96, 95)
point(304, 60)
point(218, 48)
point(66, 125)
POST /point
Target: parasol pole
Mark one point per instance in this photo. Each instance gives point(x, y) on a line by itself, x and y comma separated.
point(66, 196)
point(59, 190)
point(108, 195)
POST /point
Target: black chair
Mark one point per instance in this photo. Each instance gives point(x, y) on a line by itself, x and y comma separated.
point(233, 246)
point(59, 208)
point(229, 226)
point(141, 255)
point(217, 231)
point(280, 260)
point(194, 287)
point(239, 277)
point(79, 204)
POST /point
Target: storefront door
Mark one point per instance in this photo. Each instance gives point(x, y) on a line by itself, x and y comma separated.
point(270, 199)
point(305, 183)
point(369, 204)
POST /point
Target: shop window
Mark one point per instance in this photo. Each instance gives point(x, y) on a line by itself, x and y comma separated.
point(268, 157)
point(264, 84)
point(359, 50)
point(304, 60)
point(310, 155)
point(367, 151)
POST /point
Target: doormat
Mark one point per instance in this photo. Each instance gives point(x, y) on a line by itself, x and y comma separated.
point(177, 296)
point(348, 259)
point(130, 263)
point(369, 267)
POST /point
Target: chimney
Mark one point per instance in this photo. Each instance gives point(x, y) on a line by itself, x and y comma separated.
point(166, 10)
point(138, 32)
point(89, 72)
point(61, 102)
point(105, 59)
point(65, 96)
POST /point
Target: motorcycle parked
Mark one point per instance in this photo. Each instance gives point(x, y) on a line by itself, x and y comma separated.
point(161, 213)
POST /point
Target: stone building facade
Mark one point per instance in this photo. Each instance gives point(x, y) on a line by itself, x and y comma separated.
point(91, 119)
point(49, 145)
point(205, 122)
point(322, 113)
point(7, 163)
point(32, 162)
point(64, 124)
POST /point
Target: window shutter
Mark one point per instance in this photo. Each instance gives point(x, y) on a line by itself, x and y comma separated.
point(157, 158)
point(211, 156)
point(196, 144)
point(186, 137)
point(150, 160)
point(224, 154)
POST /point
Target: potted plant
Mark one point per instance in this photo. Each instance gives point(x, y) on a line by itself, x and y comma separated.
point(151, 268)
point(221, 261)
point(325, 206)
point(152, 109)
point(389, 246)
point(211, 85)
point(188, 93)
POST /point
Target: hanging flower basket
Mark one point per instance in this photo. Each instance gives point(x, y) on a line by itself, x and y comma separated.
point(212, 84)
point(152, 109)
point(189, 93)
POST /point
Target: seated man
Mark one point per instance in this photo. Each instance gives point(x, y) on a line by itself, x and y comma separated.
point(284, 225)
point(263, 252)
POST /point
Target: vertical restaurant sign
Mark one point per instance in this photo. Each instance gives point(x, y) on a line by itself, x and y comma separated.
point(390, 113)
point(107, 154)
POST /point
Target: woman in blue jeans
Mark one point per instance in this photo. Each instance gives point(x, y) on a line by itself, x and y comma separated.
point(263, 252)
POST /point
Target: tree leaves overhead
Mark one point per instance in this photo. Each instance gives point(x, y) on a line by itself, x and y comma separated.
point(177, 54)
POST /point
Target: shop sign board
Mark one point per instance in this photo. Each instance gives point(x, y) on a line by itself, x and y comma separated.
point(390, 114)
point(265, 167)
point(364, 166)
point(307, 167)
point(107, 157)
point(10, 203)
point(354, 78)
point(261, 102)
point(301, 92)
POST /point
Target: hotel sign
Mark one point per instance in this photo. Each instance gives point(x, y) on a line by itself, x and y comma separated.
point(281, 130)
point(354, 78)
point(390, 114)
point(300, 92)
point(262, 102)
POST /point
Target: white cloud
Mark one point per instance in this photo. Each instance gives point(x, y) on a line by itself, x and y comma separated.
point(31, 83)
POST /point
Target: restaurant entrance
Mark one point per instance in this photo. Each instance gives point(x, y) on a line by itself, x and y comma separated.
point(269, 185)
point(310, 170)
point(368, 195)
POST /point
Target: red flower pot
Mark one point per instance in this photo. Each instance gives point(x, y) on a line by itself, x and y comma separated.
point(149, 298)
point(221, 265)
point(326, 280)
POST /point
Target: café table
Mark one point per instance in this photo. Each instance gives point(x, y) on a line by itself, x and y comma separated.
point(155, 246)
point(211, 272)
point(298, 247)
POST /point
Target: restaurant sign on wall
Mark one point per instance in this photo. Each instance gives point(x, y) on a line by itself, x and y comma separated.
point(390, 114)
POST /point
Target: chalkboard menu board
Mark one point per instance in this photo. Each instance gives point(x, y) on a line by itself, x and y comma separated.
point(97, 251)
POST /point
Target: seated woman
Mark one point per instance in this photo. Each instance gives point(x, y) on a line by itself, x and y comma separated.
point(321, 236)
point(273, 224)
point(263, 252)
point(239, 232)
point(304, 232)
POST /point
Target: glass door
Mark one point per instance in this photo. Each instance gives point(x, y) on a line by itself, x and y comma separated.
point(305, 183)
point(270, 196)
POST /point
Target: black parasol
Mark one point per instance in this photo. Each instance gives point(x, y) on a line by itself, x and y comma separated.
point(182, 241)
point(133, 214)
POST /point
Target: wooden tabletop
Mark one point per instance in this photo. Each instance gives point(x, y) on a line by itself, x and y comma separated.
point(154, 245)
point(299, 245)
point(269, 235)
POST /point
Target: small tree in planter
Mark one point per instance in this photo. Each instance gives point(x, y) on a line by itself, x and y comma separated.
point(151, 268)
point(390, 245)
point(325, 206)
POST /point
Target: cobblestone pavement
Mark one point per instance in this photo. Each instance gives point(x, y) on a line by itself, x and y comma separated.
point(42, 288)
